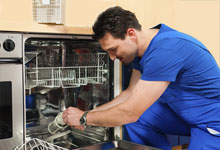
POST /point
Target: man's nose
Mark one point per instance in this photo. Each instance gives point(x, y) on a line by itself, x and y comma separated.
point(112, 57)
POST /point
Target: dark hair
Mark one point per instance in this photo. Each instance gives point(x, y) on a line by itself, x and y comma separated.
point(115, 21)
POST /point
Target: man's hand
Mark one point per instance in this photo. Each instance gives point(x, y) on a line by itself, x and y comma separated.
point(71, 117)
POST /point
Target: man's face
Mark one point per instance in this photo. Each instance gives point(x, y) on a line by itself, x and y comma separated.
point(124, 50)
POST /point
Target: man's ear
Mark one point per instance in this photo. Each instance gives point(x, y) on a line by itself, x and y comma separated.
point(131, 33)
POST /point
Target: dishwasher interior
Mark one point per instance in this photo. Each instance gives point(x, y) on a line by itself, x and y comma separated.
point(65, 72)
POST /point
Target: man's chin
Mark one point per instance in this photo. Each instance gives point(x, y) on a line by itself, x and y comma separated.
point(125, 63)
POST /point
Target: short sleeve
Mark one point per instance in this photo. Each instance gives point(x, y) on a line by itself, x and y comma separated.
point(161, 65)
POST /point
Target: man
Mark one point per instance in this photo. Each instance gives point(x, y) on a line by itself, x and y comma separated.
point(174, 87)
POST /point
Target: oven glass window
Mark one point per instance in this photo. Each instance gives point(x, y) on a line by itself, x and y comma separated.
point(5, 110)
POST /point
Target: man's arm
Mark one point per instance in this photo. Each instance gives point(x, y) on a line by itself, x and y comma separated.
point(123, 96)
point(143, 96)
point(72, 115)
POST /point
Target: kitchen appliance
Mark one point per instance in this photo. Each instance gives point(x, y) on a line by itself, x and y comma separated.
point(41, 75)
point(11, 90)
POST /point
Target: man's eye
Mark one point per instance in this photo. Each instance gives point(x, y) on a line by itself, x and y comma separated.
point(113, 50)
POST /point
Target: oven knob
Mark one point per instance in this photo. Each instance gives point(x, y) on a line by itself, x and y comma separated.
point(9, 45)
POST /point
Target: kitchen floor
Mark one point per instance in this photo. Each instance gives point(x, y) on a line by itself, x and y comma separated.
point(180, 147)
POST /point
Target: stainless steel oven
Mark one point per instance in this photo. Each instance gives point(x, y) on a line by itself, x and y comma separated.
point(11, 91)
point(41, 74)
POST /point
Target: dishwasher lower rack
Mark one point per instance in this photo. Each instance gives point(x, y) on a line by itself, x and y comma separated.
point(37, 144)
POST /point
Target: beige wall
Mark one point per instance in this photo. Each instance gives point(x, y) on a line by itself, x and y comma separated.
point(200, 18)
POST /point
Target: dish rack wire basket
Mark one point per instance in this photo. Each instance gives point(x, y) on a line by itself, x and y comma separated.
point(78, 70)
point(37, 144)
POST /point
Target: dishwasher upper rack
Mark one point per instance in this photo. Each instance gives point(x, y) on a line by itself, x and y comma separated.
point(89, 68)
point(37, 144)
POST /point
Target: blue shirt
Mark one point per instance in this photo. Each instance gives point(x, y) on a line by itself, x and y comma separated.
point(194, 91)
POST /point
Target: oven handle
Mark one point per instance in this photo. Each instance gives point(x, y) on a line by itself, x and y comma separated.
point(11, 60)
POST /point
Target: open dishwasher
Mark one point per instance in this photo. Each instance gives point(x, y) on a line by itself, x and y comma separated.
point(63, 71)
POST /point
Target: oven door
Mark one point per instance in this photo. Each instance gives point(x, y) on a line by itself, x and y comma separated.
point(11, 105)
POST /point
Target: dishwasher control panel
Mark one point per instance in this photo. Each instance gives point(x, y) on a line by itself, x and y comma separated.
point(10, 45)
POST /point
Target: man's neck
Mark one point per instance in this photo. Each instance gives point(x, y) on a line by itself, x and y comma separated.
point(144, 39)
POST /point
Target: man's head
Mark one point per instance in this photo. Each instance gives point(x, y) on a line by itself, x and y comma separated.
point(115, 21)
point(116, 29)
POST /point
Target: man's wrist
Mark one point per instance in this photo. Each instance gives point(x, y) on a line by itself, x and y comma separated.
point(83, 119)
